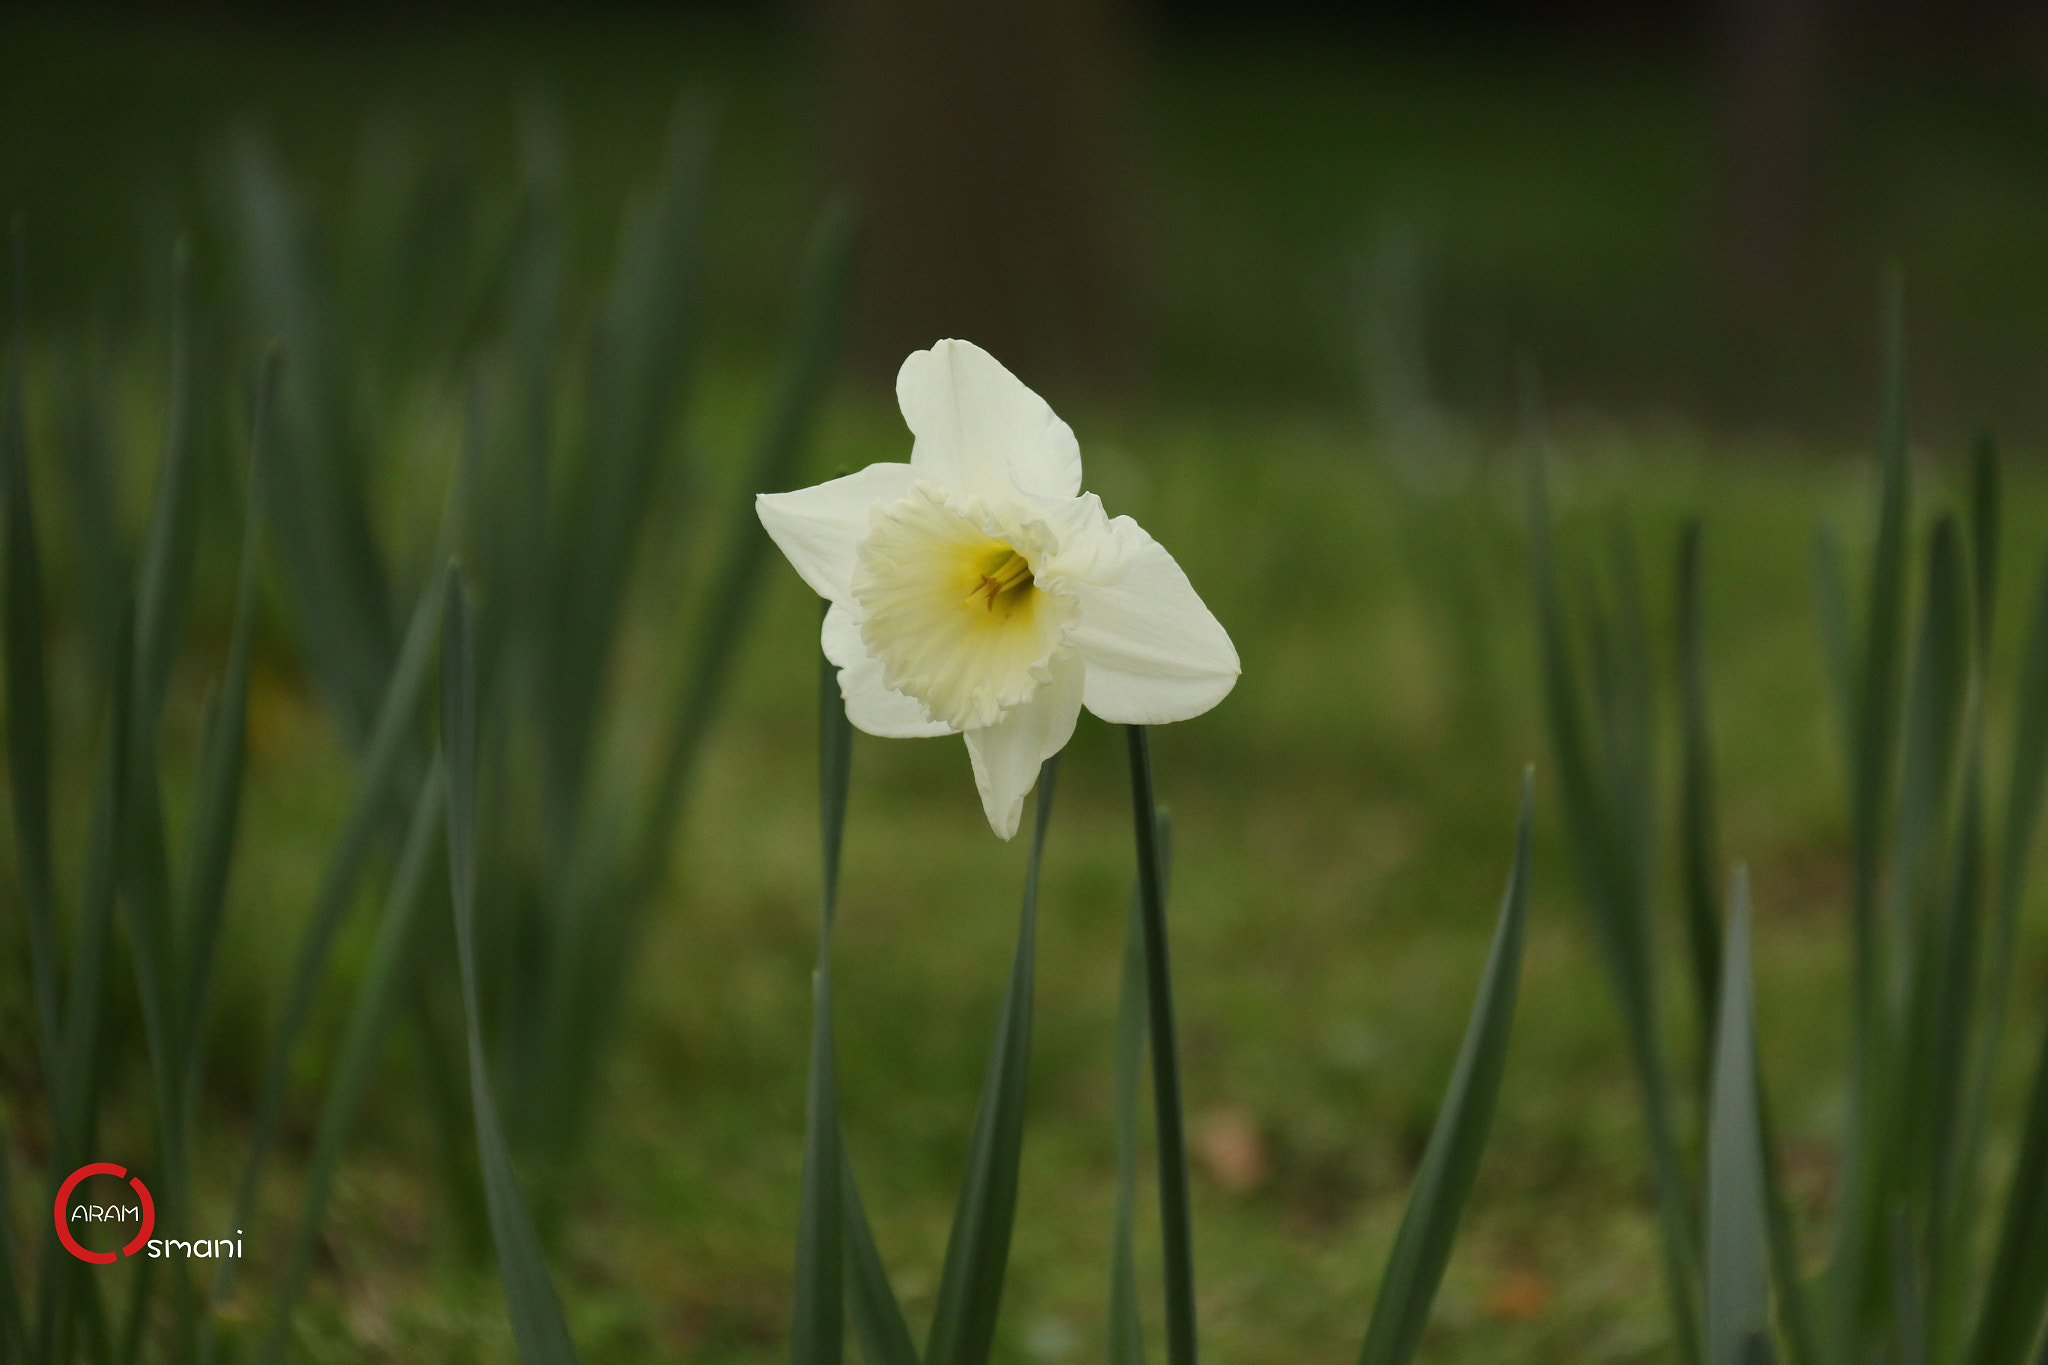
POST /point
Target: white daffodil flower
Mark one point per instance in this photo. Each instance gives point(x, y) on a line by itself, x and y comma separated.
point(976, 589)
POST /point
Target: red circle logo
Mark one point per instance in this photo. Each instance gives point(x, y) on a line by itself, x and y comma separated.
point(64, 1213)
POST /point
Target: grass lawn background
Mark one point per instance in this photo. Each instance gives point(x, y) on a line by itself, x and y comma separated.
point(1343, 820)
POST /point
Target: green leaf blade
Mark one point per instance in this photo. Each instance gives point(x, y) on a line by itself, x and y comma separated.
point(14, 1337)
point(637, 359)
point(1878, 684)
point(28, 707)
point(318, 496)
point(392, 738)
point(1450, 1164)
point(818, 1290)
point(62, 1286)
point(1126, 1324)
point(978, 1250)
point(594, 959)
point(2016, 1290)
point(1737, 1268)
point(217, 788)
point(784, 438)
point(369, 1020)
point(878, 1322)
point(2026, 786)
point(1985, 535)
point(1862, 1237)
point(1603, 755)
point(1176, 1221)
point(531, 1302)
point(164, 589)
point(1699, 841)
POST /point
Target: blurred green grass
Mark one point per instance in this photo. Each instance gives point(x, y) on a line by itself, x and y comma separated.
point(1344, 818)
point(1343, 824)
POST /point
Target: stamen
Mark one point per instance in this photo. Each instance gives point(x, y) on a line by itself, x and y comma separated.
point(1013, 572)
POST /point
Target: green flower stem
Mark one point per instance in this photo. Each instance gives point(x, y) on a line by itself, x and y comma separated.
point(1176, 1232)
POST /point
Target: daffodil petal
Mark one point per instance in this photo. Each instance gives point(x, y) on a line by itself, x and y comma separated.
point(1093, 547)
point(980, 430)
point(1007, 755)
point(1155, 653)
point(870, 703)
point(817, 528)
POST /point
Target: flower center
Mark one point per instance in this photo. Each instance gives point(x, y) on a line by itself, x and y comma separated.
point(951, 605)
point(1008, 584)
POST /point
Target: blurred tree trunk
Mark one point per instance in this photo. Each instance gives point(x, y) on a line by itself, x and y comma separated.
point(987, 145)
point(1778, 56)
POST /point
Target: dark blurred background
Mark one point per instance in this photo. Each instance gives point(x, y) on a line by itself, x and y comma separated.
point(1685, 207)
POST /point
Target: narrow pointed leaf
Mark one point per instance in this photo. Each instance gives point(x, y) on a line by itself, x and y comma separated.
point(1602, 767)
point(1176, 1220)
point(1909, 1293)
point(158, 949)
point(818, 1297)
point(1450, 1164)
point(2017, 1287)
point(1984, 537)
point(1738, 1272)
point(1701, 858)
point(166, 571)
point(62, 1285)
point(1972, 1017)
point(99, 1341)
point(538, 1328)
point(1877, 686)
point(1126, 1324)
point(638, 356)
point(14, 1339)
point(1954, 1040)
point(1993, 1334)
point(1923, 927)
point(878, 1323)
point(28, 708)
point(318, 495)
point(1629, 724)
point(355, 1062)
point(391, 745)
point(1933, 729)
point(1795, 1315)
point(782, 443)
point(89, 465)
point(217, 789)
point(608, 901)
point(1699, 842)
point(1861, 1250)
point(144, 894)
point(857, 1283)
point(1563, 710)
point(2026, 783)
point(447, 1098)
point(978, 1251)
point(141, 1299)
point(85, 996)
